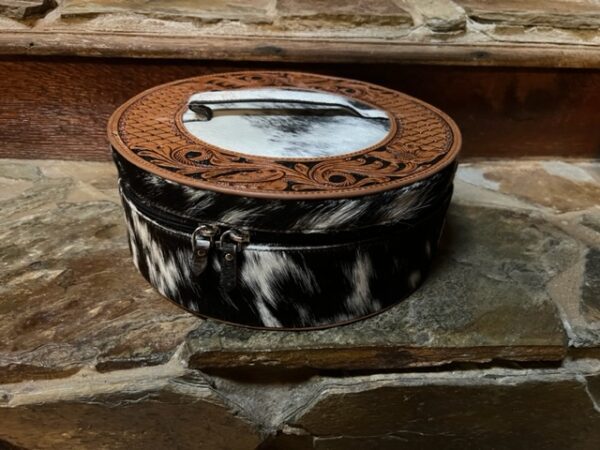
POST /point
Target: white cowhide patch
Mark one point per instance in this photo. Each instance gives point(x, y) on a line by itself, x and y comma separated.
point(290, 123)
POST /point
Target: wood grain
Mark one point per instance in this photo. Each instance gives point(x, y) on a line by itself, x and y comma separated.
point(59, 107)
point(299, 49)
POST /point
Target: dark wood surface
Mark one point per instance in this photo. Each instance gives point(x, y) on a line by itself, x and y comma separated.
point(58, 107)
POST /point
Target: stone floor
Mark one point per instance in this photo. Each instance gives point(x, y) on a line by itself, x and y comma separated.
point(499, 349)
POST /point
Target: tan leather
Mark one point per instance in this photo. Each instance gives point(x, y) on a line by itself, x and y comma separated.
point(147, 130)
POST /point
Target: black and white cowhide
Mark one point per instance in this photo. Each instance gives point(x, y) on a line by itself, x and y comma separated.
point(289, 286)
point(286, 122)
point(307, 216)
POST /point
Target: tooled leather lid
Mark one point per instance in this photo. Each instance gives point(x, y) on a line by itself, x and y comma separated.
point(283, 135)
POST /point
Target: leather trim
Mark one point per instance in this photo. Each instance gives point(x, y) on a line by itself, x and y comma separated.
point(146, 132)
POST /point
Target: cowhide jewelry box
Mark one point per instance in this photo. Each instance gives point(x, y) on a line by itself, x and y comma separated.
point(283, 200)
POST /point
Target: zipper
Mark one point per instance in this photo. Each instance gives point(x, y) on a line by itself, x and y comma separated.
point(214, 229)
point(205, 238)
point(228, 242)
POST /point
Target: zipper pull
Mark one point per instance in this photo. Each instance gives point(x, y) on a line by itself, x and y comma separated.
point(202, 241)
point(230, 244)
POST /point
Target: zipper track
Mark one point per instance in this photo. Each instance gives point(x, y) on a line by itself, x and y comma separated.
point(331, 238)
point(166, 220)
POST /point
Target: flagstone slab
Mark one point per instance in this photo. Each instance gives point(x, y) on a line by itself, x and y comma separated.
point(515, 279)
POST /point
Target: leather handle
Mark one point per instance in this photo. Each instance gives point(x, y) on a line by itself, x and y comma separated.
point(204, 103)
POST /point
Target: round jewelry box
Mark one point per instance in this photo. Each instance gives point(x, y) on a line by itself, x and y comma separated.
point(283, 200)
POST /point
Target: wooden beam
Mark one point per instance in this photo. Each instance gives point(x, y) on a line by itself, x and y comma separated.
point(287, 49)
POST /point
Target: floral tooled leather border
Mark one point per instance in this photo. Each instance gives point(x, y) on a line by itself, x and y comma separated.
point(147, 132)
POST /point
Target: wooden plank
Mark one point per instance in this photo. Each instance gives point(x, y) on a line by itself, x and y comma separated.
point(58, 108)
point(300, 49)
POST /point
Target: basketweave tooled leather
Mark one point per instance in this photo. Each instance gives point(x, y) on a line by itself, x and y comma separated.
point(147, 131)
